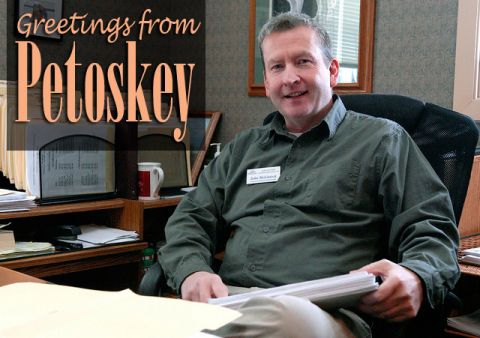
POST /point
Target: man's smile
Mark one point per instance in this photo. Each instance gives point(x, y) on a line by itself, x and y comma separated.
point(296, 94)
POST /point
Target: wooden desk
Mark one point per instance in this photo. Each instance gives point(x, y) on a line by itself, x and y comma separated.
point(118, 213)
point(8, 276)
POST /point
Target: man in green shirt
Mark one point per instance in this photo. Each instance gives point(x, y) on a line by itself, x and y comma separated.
point(317, 192)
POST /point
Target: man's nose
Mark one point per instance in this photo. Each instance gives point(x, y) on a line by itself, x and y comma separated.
point(290, 75)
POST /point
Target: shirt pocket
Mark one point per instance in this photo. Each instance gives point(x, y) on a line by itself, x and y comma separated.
point(334, 186)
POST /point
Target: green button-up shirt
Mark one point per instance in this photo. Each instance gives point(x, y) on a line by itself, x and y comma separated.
point(352, 190)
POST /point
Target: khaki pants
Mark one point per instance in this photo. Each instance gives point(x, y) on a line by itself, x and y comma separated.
point(284, 317)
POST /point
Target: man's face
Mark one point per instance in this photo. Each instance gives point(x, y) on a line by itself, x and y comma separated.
point(297, 80)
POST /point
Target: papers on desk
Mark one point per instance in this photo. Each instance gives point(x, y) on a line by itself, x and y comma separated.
point(46, 310)
point(96, 235)
point(471, 256)
point(469, 323)
point(27, 249)
point(333, 292)
point(11, 201)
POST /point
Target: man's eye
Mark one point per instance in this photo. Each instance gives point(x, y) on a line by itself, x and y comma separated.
point(276, 67)
point(303, 61)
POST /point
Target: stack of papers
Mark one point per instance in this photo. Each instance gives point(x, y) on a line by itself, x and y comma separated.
point(26, 249)
point(11, 201)
point(467, 323)
point(333, 292)
point(471, 256)
point(96, 235)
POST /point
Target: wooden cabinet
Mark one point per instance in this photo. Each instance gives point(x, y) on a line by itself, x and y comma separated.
point(64, 267)
point(120, 213)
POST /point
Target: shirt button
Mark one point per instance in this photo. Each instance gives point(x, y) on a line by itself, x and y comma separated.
point(253, 267)
point(266, 229)
point(287, 178)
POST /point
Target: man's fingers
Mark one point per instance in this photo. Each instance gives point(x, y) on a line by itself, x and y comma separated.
point(382, 294)
point(205, 293)
point(398, 298)
point(202, 285)
point(219, 290)
point(377, 268)
point(377, 308)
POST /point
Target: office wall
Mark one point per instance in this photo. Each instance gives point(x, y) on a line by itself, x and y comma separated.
point(414, 55)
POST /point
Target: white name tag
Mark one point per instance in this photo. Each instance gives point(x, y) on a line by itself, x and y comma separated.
point(263, 175)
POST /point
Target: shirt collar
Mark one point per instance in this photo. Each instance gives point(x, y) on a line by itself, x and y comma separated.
point(333, 119)
point(335, 116)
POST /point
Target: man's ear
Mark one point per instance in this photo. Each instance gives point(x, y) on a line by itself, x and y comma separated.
point(267, 84)
point(334, 69)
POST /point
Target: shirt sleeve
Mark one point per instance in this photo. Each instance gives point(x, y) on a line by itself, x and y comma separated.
point(193, 231)
point(423, 236)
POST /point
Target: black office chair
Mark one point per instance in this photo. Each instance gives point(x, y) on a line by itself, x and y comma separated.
point(446, 138)
point(448, 141)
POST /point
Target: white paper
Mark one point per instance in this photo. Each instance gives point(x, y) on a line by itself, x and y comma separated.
point(470, 259)
point(99, 234)
point(11, 195)
point(472, 252)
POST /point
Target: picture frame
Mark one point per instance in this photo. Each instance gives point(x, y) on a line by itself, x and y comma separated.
point(40, 9)
point(156, 144)
point(261, 10)
point(200, 139)
point(183, 161)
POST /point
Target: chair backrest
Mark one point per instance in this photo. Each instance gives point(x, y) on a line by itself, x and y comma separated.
point(446, 138)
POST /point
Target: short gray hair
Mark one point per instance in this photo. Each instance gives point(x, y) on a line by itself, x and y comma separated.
point(287, 21)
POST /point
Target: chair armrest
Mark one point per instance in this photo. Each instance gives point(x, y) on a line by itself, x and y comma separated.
point(453, 305)
point(152, 282)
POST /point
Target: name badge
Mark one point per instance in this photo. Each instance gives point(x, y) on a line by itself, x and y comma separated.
point(263, 175)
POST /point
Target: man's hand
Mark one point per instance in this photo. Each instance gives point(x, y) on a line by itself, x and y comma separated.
point(202, 285)
point(398, 298)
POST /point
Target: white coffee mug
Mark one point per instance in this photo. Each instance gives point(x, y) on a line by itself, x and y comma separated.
point(150, 179)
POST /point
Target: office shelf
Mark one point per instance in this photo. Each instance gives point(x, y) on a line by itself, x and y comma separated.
point(118, 213)
point(67, 208)
point(81, 260)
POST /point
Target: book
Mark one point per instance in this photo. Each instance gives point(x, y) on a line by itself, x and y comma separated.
point(7, 241)
point(469, 323)
point(333, 292)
